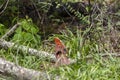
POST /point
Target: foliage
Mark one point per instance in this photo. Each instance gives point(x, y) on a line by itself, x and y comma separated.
point(2, 30)
point(92, 40)
point(79, 47)
point(10, 13)
point(27, 33)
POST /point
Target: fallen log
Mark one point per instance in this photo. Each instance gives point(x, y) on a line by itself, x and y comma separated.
point(4, 44)
point(20, 73)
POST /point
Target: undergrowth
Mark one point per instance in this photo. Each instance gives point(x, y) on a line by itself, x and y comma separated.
point(80, 44)
point(79, 47)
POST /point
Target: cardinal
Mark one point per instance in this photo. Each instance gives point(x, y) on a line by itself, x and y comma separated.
point(61, 52)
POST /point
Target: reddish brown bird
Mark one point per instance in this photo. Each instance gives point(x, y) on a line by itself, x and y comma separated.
point(59, 47)
point(60, 52)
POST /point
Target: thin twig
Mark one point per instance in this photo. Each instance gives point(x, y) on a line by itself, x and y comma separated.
point(20, 73)
point(11, 31)
point(6, 4)
point(103, 55)
point(36, 10)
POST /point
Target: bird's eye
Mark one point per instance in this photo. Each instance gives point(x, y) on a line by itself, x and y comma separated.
point(64, 50)
point(58, 53)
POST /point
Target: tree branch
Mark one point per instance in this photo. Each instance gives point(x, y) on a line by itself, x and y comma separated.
point(4, 44)
point(11, 31)
point(20, 73)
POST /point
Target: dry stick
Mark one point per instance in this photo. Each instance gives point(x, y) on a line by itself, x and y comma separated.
point(20, 73)
point(6, 3)
point(37, 10)
point(103, 55)
point(11, 31)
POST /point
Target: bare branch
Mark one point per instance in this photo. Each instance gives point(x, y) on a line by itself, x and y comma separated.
point(4, 44)
point(6, 3)
point(20, 73)
point(11, 31)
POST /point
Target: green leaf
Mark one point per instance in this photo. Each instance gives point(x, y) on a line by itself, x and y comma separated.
point(29, 26)
point(27, 36)
point(25, 25)
point(2, 29)
point(33, 30)
point(17, 37)
point(19, 30)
